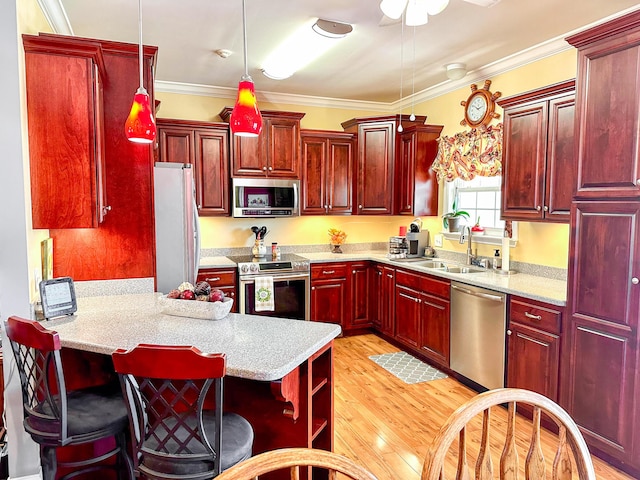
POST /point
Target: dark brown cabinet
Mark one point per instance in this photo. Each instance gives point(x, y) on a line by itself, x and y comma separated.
point(407, 314)
point(327, 167)
point(600, 383)
point(65, 112)
point(206, 147)
point(274, 153)
point(538, 154)
point(361, 291)
point(222, 278)
point(329, 293)
point(416, 186)
point(382, 301)
point(533, 346)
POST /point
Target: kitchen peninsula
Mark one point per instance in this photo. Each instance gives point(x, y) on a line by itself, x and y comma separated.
point(279, 372)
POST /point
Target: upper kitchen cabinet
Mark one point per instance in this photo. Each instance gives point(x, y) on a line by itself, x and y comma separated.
point(274, 153)
point(416, 186)
point(375, 162)
point(64, 85)
point(206, 147)
point(327, 166)
point(608, 99)
point(538, 154)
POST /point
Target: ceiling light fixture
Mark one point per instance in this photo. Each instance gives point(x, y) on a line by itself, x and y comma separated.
point(140, 126)
point(307, 43)
point(330, 29)
point(246, 120)
point(456, 71)
point(417, 11)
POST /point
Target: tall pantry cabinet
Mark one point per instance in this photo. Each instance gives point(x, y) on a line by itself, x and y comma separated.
point(601, 386)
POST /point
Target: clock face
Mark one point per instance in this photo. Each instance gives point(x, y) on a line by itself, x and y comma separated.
point(477, 108)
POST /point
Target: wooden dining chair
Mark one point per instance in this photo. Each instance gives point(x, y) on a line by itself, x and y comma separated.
point(457, 426)
point(178, 430)
point(295, 459)
point(55, 417)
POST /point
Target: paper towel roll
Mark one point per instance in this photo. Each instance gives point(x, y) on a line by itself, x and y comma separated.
point(505, 253)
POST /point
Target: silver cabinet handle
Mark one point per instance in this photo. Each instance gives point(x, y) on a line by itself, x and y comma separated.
point(270, 168)
point(509, 332)
point(638, 182)
point(389, 275)
point(264, 169)
point(353, 272)
point(360, 207)
point(313, 288)
point(232, 294)
point(328, 272)
point(330, 207)
point(538, 208)
point(325, 207)
point(495, 298)
point(546, 209)
point(214, 279)
point(533, 317)
point(635, 280)
point(379, 273)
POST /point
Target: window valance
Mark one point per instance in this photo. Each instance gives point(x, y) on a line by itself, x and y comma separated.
point(467, 154)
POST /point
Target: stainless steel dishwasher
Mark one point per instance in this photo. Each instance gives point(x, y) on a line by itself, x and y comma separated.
point(478, 328)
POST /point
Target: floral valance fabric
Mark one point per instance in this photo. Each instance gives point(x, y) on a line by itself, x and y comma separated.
point(467, 154)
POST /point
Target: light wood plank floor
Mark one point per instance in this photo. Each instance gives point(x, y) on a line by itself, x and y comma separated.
point(387, 425)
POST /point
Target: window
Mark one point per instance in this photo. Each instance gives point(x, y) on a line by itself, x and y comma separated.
point(481, 198)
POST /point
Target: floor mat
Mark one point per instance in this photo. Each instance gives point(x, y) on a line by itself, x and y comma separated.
point(407, 368)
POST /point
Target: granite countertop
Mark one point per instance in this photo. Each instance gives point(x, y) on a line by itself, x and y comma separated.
point(256, 347)
point(216, 262)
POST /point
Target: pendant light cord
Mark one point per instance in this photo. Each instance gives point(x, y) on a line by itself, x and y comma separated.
point(400, 128)
point(413, 74)
point(140, 52)
point(244, 32)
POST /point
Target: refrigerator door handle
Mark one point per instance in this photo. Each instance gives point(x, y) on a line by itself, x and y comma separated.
point(196, 223)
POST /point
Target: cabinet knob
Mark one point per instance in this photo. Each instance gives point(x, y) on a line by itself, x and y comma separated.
point(264, 169)
point(546, 209)
point(360, 207)
point(106, 209)
point(638, 182)
point(635, 280)
point(353, 272)
point(380, 273)
point(538, 208)
point(326, 206)
point(409, 206)
point(232, 294)
point(330, 207)
point(270, 168)
point(508, 332)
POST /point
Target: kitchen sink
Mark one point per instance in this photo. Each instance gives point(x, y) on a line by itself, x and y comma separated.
point(457, 269)
point(431, 264)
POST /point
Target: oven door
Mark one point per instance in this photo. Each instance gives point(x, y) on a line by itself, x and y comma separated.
point(291, 296)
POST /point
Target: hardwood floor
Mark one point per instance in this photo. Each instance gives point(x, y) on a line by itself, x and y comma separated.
point(387, 425)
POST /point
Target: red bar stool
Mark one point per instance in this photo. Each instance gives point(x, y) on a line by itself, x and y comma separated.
point(55, 417)
point(179, 431)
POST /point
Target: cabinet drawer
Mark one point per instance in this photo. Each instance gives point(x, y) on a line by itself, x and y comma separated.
point(436, 286)
point(536, 314)
point(328, 270)
point(408, 279)
point(218, 278)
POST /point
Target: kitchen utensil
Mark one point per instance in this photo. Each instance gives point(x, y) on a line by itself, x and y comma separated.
point(255, 230)
point(263, 232)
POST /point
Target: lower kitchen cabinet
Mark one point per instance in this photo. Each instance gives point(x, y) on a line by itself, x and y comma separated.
point(222, 278)
point(361, 292)
point(329, 292)
point(383, 284)
point(422, 315)
point(533, 346)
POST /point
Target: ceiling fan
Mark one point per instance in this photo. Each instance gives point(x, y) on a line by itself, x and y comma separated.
point(418, 11)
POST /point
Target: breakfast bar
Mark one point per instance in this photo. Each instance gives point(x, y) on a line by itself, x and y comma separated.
point(279, 372)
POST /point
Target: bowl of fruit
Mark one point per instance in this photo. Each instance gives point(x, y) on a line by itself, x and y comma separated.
point(199, 301)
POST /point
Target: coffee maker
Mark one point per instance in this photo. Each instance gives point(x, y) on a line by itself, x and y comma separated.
point(416, 243)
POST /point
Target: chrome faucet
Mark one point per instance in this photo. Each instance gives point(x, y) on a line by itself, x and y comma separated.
point(470, 256)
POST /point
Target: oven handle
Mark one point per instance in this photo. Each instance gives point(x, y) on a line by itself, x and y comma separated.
point(278, 278)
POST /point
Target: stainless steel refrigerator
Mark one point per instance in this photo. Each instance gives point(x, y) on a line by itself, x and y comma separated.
point(177, 225)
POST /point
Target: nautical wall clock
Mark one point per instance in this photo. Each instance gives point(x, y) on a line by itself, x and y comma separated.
point(479, 108)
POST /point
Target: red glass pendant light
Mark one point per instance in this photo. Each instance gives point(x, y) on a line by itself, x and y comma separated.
point(140, 126)
point(246, 120)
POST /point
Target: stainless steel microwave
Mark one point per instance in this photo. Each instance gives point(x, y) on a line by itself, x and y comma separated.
point(265, 197)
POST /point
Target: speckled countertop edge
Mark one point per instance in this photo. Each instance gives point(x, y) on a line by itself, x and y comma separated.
point(256, 347)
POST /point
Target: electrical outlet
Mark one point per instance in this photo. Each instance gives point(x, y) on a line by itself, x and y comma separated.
point(437, 240)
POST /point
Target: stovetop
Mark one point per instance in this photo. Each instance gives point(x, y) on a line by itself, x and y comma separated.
point(287, 262)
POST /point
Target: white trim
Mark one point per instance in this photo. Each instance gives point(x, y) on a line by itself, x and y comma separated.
point(56, 16)
point(28, 477)
point(482, 239)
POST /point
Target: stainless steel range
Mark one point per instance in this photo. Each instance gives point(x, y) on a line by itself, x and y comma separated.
point(291, 284)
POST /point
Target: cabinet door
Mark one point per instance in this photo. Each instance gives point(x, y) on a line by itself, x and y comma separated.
point(360, 295)
point(435, 325)
point(64, 137)
point(212, 171)
point(523, 161)
point(176, 144)
point(314, 176)
point(328, 300)
point(283, 144)
point(602, 342)
point(404, 171)
point(560, 159)
point(533, 360)
point(608, 115)
point(249, 155)
point(387, 301)
point(407, 316)
point(375, 299)
point(376, 146)
point(339, 176)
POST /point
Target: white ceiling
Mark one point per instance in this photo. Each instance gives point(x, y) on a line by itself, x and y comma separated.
point(365, 66)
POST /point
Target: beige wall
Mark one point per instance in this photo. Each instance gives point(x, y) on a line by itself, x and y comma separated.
point(541, 243)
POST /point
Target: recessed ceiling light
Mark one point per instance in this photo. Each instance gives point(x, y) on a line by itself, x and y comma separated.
point(223, 52)
point(456, 71)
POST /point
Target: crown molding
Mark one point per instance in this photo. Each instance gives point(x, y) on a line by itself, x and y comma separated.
point(56, 16)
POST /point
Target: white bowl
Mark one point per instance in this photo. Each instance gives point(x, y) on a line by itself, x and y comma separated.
point(195, 308)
